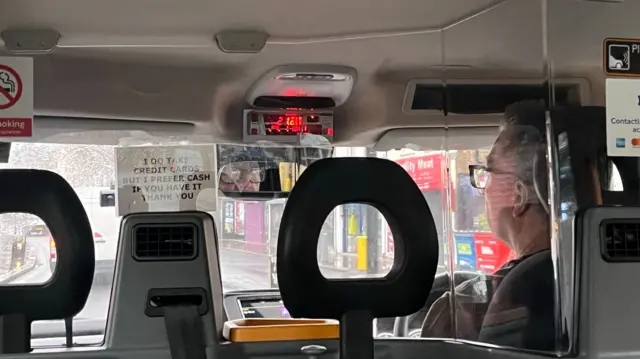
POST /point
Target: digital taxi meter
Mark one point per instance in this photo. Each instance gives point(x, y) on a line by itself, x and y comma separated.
point(286, 126)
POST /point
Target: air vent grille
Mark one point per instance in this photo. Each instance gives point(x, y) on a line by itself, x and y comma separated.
point(153, 242)
point(487, 98)
point(621, 241)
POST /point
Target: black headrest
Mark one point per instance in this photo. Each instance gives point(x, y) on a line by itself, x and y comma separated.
point(384, 185)
point(48, 196)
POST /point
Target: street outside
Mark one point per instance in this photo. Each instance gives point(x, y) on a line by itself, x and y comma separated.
point(244, 265)
point(98, 301)
point(241, 270)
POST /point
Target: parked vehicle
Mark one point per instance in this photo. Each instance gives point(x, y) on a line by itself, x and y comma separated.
point(40, 238)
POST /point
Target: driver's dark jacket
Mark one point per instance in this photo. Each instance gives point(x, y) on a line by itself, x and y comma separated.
point(472, 300)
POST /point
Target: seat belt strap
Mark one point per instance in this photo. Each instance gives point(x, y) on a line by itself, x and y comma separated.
point(185, 332)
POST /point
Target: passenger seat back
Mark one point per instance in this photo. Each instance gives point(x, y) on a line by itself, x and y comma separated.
point(163, 258)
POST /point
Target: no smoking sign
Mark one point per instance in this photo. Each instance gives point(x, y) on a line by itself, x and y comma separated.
point(16, 97)
point(10, 87)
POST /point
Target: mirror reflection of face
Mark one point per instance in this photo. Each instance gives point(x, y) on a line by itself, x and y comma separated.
point(241, 176)
point(479, 176)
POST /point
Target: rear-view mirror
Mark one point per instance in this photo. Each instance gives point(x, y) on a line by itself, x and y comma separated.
point(254, 172)
point(263, 173)
point(252, 179)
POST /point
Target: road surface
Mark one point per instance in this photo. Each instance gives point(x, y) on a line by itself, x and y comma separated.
point(243, 270)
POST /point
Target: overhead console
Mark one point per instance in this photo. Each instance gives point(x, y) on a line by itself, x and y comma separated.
point(285, 126)
point(303, 86)
point(292, 104)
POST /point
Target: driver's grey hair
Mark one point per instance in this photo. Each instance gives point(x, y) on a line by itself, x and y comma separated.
point(523, 133)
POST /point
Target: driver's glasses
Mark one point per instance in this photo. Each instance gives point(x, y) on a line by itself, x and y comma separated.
point(479, 176)
point(233, 174)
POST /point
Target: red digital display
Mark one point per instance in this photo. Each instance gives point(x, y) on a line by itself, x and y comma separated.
point(291, 124)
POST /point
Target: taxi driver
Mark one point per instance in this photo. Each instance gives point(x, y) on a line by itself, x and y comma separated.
point(241, 176)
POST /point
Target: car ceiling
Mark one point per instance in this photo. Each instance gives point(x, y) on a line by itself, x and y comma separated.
point(156, 60)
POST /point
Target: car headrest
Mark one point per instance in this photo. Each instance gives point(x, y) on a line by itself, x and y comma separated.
point(48, 196)
point(386, 186)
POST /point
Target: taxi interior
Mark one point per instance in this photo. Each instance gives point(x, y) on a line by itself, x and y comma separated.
point(384, 77)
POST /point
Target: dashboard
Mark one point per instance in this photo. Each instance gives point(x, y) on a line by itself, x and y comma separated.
point(268, 304)
point(263, 308)
point(254, 304)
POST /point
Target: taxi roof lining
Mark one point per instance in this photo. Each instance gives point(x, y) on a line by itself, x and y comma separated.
point(98, 41)
point(429, 39)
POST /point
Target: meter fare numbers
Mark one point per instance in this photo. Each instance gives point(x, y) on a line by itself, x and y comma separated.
point(291, 125)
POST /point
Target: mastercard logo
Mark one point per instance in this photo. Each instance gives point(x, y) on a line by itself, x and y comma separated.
point(635, 142)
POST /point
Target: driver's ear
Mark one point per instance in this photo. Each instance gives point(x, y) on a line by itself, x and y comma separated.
point(521, 199)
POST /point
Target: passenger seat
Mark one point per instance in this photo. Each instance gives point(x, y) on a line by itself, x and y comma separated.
point(167, 270)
